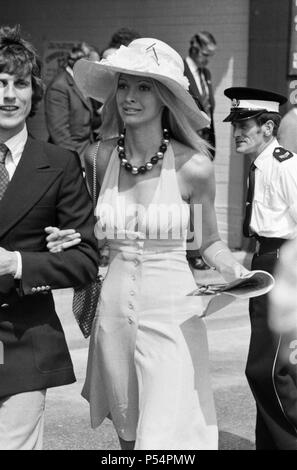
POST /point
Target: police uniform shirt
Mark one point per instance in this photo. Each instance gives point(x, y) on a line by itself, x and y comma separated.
point(274, 211)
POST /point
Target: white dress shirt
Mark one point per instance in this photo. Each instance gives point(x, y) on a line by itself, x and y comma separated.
point(16, 146)
point(194, 69)
point(197, 77)
point(274, 211)
point(70, 71)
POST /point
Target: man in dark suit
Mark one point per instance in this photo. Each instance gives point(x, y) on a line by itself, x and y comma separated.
point(202, 47)
point(40, 185)
point(71, 118)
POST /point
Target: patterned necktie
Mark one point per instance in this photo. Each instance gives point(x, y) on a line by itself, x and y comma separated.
point(4, 176)
point(249, 202)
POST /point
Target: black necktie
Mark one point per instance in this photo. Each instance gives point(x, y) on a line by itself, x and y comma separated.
point(4, 176)
point(249, 202)
point(205, 90)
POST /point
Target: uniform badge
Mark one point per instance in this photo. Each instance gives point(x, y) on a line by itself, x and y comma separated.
point(282, 154)
point(235, 103)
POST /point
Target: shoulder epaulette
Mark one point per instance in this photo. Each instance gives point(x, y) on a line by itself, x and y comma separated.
point(282, 154)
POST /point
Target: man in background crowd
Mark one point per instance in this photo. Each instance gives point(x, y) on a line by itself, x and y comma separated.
point(202, 47)
point(72, 119)
point(122, 37)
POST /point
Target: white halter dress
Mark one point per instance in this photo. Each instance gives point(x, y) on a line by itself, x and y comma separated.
point(148, 357)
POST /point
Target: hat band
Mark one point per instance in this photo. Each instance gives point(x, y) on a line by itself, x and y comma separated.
point(243, 110)
point(254, 105)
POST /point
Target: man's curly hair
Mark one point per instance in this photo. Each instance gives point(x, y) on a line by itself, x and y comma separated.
point(123, 37)
point(18, 57)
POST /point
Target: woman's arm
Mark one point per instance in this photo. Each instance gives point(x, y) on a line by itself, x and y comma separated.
point(202, 202)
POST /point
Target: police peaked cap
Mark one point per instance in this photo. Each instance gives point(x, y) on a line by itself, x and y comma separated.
point(251, 102)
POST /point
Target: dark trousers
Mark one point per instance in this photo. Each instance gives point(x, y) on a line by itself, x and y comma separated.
point(272, 373)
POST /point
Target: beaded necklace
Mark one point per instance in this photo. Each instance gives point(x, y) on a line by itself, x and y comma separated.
point(134, 170)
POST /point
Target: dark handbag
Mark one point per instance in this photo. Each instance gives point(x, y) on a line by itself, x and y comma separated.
point(85, 299)
point(84, 304)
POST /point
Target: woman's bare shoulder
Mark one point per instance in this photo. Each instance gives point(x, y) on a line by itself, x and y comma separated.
point(191, 163)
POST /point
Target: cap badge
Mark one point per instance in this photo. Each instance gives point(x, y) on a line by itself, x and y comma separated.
point(235, 103)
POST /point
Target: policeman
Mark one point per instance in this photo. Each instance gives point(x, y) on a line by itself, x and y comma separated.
point(271, 217)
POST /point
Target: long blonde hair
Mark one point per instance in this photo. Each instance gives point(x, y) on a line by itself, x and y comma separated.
point(174, 119)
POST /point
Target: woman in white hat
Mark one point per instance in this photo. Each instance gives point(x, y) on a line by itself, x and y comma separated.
point(148, 357)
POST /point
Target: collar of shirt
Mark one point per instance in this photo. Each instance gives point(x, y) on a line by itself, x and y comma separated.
point(70, 71)
point(16, 145)
point(192, 66)
point(266, 153)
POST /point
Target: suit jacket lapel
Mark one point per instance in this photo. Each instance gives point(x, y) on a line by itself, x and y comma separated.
point(86, 101)
point(32, 178)
point(193, 89)
point(210, 90)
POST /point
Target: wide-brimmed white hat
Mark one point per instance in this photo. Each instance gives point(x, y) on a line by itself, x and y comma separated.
point(146, 57)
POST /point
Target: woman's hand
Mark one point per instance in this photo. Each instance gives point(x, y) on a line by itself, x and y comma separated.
point(222, 259)
point(59, 240)
point(231, 272)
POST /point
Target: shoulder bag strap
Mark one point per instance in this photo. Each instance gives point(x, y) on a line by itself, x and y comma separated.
point(94, 192)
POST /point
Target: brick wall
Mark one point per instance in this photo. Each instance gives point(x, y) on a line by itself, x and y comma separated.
point(173, 21)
